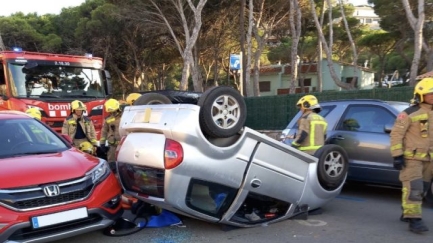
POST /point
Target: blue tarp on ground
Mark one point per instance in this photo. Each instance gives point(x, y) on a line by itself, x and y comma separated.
point(165, 218)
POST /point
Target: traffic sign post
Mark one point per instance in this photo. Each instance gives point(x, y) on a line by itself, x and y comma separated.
point(236, 65)
point(235, 62)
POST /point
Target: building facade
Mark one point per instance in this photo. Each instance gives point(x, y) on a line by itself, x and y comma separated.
point(366, 15)
point(276, 79)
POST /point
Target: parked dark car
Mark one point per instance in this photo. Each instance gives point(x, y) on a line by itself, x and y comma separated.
point(362, 128)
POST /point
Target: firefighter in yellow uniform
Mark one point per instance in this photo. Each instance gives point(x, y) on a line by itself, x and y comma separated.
point(312, 126)
point(411, 146)
point(79, 127)
point(40, 135)
point(132, 97)
point(110, 130)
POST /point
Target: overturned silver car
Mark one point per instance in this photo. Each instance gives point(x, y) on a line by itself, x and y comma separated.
point(200, 161)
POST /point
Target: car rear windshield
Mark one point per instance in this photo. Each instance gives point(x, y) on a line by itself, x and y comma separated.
point(22, 137)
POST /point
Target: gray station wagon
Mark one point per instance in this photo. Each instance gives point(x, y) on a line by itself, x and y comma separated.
point(362, 128)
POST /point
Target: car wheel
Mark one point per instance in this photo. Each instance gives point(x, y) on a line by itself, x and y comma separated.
point(222, 112)
point(152, 99)
point(332, 166)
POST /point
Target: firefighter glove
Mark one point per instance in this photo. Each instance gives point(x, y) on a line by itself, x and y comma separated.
point(399, 162)
point(103, 148)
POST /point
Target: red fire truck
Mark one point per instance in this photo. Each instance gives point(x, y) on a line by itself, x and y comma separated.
point(50, 82)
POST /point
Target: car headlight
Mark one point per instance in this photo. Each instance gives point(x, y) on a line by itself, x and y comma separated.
point(100, 172)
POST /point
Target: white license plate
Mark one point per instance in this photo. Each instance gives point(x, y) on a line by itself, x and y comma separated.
point(60, 217)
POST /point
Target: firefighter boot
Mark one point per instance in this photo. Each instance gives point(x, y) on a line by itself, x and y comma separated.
point(403, 219)
point(417, 226)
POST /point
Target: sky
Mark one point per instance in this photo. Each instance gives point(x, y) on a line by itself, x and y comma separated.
point(39, 6)
point(358, 2)
point(42, 7)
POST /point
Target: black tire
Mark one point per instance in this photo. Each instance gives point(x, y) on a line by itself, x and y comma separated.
point(152, 99)
point(223, 112)
point(332, 166)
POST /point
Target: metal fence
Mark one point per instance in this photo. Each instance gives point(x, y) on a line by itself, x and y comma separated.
point(274, 112)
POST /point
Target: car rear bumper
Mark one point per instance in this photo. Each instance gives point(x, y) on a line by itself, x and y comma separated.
point(23, 232)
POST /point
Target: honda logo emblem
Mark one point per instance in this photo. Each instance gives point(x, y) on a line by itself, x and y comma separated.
point(52, 190)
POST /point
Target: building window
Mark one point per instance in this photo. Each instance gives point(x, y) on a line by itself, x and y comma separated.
point(349, 80)
point(307, 82)
point(368, 21)
point(265, 86)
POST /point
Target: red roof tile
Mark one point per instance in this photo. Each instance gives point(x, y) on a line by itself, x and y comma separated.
point(425, 75)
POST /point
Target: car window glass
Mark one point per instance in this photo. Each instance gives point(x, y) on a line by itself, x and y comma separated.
point(324, 112)
point(27, 136)
point(363, 118)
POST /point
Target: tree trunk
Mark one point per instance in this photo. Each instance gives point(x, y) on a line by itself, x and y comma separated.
point(242, 45)
point(334, 75)
point(216, 68)
point(429, 57)
point(295, 31)
point(320, 51)
point(417, 26)
point(185, 74)
point(331, 25)
point(248, 86)
point(190, 34)
point(352, 44)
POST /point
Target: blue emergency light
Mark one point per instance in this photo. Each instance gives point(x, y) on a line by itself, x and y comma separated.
point(89, 55)
point(17, 49)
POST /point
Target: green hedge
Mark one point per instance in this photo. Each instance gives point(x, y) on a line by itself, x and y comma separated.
point(274, 112)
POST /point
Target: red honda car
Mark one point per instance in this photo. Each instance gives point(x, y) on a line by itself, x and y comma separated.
point(48, 189)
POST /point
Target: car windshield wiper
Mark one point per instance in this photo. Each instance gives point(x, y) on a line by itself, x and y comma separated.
point(48, 96)
point(44, 152)
point(37, 152)
point(81, 96)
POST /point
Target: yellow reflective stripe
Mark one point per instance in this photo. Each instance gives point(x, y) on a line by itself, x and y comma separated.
point(397, 146)
point(313, 129)
point(109, 120)
point(410, 209)
point(310, 147)
point(72, 122)
point(419, 117)
point(411, 154)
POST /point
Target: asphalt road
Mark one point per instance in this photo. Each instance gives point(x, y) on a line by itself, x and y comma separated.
point(360, 214)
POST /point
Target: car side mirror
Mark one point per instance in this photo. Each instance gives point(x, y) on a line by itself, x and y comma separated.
point(67, 138)
point(388, 128)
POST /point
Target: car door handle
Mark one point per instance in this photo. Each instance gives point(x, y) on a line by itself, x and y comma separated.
point(337, 137)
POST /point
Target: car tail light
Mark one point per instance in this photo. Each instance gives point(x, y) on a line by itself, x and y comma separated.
point(116, 154)
point(173, 154)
